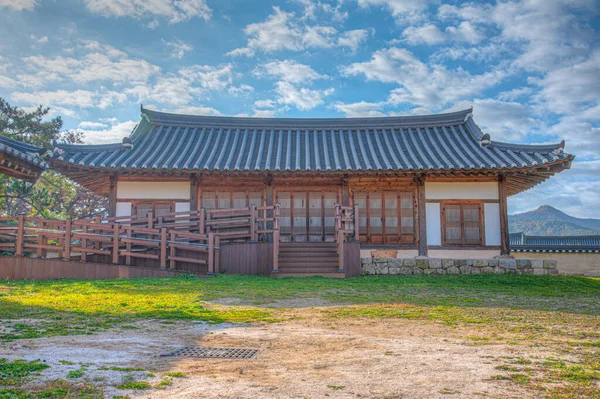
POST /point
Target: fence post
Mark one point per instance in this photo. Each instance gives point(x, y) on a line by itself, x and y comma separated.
point(356, 231)
point(217, 254)
point(163, 247)
point(84, 229)
point(172, 253)
point(67, 243)
point(41, 241)
point(201, 217)
point(20, 235)
point(276, 240)
point(253, 222)
point(341, 251)
point(211, 253)
point(150, 218)
point(115, 254)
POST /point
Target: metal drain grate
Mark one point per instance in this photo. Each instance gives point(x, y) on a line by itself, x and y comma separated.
point(214, 353)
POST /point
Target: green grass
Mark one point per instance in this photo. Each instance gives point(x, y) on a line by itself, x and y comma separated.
point(67, 307)
point(123, 369)
point(130, 383)
point(175, 374)
point(56, 390)
point(19, 371)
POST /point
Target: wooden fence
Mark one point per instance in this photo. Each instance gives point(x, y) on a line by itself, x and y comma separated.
point(174, 241)
point(191, 241)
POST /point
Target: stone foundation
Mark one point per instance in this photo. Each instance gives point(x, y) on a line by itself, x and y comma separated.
point(393, 266)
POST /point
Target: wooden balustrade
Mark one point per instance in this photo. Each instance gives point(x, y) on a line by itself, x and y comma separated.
point(346, 224)
point(165, 240)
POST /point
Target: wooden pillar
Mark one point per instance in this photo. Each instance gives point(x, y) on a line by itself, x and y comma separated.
point(112, 196)
point(422, 216)
point(269, 194)
point(193, 192)
point(269, 201)
point(504, 241)
point(345, 191)
point(67, 242)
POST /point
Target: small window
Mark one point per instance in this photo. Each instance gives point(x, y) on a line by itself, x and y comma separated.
point(462, 223)
point(158, 207)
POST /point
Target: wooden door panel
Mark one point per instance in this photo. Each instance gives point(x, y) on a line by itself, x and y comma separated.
point(285, 212)
point(299, 229)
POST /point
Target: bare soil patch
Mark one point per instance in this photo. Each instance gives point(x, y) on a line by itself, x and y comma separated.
point(304, 357)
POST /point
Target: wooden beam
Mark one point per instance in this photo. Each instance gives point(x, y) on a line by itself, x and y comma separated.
point(112, 196)
point(345, 191)
point(422, 216)
point(504, 243)
point(193, 192)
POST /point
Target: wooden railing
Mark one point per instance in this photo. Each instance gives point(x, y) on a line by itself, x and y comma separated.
point(166, 240)
point(346, 226)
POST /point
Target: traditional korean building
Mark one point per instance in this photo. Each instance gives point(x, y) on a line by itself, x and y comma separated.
point(432, 185)
point(21, 160)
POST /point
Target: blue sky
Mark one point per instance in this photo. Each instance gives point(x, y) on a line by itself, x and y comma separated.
point(530, 68)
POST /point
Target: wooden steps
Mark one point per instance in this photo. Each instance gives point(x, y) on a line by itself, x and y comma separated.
point(307, 259)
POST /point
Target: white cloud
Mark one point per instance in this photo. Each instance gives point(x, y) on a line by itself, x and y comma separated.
point(178, 48)
point(265, 104)
point(313, 9)
point(174, 10)
point(571, 88)
point(402, 10)
point(271, 35)
point(289, 71)
point(241, 90)
point(284, 31)
point(113, 134)
point(104, 64)
point(195, 110)
point(421, 84)
point(265, 113)
point(504, 120)
point(77, 98)
point(360, 109)
point(431, 34)
point(209, 77)
point(550, 32)
point(301, 98)
point(354, 38)
point(88, 125)
point(39, 40)
point(18, 5)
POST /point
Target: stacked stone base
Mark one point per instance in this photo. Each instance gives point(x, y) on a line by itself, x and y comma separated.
point(393, 266)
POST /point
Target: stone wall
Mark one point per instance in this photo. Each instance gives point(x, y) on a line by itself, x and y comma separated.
point(392, 266)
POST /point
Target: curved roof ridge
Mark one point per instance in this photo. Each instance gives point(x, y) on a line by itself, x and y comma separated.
point(410, 120)
point(19, 145)
point(532, 147)
point(88, 147)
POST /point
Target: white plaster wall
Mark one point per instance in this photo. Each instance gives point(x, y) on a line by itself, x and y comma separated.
point(123, 209)
point(461, 190)
point(492, 223)
point(182, 207)
point(433, 220)
point(153, 190)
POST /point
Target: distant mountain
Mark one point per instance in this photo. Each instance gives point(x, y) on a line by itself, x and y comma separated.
point(549, 221)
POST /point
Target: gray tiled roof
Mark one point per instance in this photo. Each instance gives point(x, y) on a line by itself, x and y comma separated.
point(25, 152)
point(163, 141)
point(520, 242)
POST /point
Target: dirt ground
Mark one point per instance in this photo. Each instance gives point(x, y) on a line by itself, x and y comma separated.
point(301, 358)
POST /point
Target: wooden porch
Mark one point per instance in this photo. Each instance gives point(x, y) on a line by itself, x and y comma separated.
point(205, 242)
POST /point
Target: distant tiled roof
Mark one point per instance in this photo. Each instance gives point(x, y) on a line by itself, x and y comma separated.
point(520, 242)
point(20, 159)
point(434, 142)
